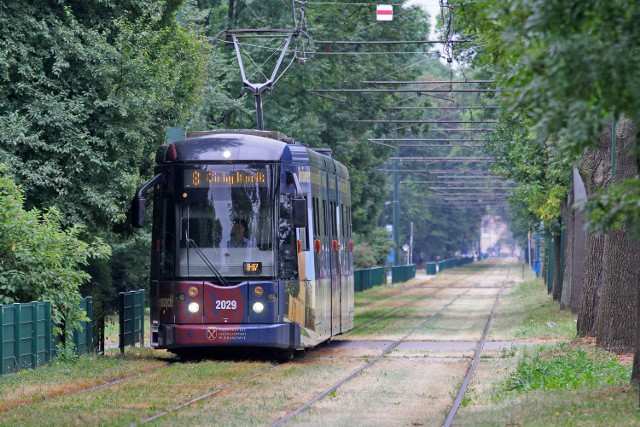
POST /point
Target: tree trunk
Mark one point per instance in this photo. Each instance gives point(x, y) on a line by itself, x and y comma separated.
point(617, 311)
point(567, 278)
point(557, 266)
point(595, 170)
point(579, 241)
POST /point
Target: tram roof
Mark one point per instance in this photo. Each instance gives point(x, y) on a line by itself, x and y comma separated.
point(245, 145)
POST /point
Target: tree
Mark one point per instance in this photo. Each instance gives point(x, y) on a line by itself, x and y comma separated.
point(86, 99)
point(41, 261)
point(573, 67)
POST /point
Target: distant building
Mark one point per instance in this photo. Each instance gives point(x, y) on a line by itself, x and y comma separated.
point(496, 238)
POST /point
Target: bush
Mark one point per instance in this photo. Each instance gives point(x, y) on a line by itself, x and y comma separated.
point(373, 249)
point(561, 367)
point(39, 261)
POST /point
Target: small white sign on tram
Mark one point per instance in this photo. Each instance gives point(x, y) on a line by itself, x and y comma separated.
point(384, 12)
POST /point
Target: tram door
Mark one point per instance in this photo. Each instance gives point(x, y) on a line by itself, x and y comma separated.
point(334, 257)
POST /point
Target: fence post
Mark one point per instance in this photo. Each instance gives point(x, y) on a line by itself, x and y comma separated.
point(34, 334)
point(141, 317)
point(1, 339)
point(89, 328)
point(121, 317)
point(47, 331)
point(16, 335)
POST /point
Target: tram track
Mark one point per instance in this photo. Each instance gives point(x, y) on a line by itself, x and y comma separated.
point(292, 414)
point(390, 348)
point(399, 341)
point(408, 304)
point(241, 381)
point(476, 358)
point(238, 384)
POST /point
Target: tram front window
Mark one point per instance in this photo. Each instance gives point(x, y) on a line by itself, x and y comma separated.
point(226, 221)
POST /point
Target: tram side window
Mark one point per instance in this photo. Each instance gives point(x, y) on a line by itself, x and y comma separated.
point(334, 225)
point(324, 216)
point(314, 208)
point(343, 223)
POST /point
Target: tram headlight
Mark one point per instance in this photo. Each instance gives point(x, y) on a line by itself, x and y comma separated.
point(258, 307)
point(193, 291)
point(194, 307)
point(258, 291)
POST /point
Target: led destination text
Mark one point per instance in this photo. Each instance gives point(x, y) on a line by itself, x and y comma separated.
point(196, 178)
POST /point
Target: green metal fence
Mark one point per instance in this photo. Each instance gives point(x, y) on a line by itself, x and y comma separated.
point(435, 267)
point(367, 278)
point(131, 318)
point(402, 273)
point(432, 268)
point(25, 336)
point(26, 339)
point(83, 337)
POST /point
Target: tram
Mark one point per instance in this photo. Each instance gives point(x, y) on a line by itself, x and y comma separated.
point(251, 243)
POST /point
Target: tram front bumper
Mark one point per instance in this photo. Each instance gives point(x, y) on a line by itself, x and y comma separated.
point(172, 336)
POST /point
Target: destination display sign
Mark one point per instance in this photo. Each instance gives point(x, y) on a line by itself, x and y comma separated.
point(198, 178)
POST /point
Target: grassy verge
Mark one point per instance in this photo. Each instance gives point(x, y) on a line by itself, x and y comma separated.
point(527, 312)
point(565, 382)
point(34, 385)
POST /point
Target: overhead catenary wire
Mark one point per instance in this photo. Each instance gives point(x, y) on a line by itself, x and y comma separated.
point(428, 139)
point(423, 82)
point(441, 145)
point(465, 107)
point(442, 159)
point(475, 122)
point(386, 42)
point(450, 90)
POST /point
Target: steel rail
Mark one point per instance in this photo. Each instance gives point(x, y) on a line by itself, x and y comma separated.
point(206, 395)
point(395, 310)
point(474, 363)
point(390, 348)
point(249, 377)
point(85, 390)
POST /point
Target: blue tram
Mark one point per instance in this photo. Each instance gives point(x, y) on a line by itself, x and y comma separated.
point(251, 243)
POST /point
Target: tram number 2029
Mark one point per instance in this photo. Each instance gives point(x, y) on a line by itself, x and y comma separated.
point(225, 304)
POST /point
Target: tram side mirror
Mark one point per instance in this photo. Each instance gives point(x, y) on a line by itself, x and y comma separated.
point(299, 213)
point(138, 211)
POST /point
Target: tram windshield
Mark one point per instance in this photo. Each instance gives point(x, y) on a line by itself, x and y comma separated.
point(226, 220)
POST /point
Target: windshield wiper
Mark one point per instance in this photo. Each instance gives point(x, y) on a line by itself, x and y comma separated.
point(208, 263)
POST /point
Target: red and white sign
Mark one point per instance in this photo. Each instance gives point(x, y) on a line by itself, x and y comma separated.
point(384, 12)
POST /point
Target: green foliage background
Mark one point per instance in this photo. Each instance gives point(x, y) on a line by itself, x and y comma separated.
point(88, 88)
